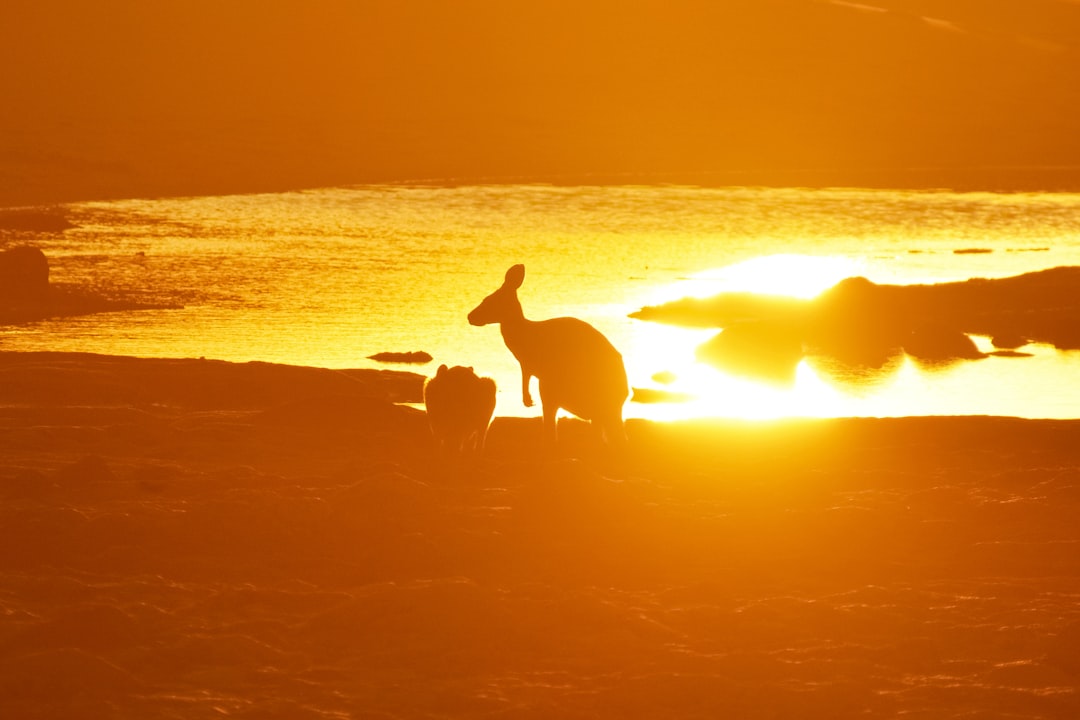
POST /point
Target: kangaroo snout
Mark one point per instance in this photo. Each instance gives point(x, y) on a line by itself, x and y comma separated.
point(496, 306)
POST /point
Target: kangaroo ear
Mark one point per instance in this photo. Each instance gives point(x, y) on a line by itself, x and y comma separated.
point(514, 277)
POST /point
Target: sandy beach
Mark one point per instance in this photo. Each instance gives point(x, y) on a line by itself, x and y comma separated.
point(193, 538)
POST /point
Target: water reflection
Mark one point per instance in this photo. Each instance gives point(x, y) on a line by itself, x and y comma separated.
point(329, 277)
point(774, 355)
point(856, 380)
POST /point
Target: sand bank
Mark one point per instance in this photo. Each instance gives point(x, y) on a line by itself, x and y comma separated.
point(191, 538)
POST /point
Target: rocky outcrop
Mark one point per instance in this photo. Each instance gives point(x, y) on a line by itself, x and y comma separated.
point(26, 294)
point(864, 324)
point(24, 276)
point(415, 357)
point(940, 343)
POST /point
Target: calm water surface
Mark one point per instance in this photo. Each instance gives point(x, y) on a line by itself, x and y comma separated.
point(328, 277)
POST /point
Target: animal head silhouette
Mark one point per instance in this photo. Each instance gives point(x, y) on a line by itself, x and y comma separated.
point(503, 303)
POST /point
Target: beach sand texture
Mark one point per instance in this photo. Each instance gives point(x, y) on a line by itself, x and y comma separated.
point(192, 538)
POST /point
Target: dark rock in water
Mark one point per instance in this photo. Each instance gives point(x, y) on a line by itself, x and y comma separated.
point(1008, 341)
point(24, 276)
point(412, 358)
point(1011, 354)
point(972, 251)
point(27, 296)
point(939, 343)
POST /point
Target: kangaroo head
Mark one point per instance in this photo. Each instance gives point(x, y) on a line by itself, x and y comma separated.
point(502, 304)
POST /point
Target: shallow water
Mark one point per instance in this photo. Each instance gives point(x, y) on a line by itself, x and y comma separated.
point(328, 277)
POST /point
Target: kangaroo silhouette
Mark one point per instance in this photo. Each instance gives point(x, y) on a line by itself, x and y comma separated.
point(576, 367)
point(459, 406)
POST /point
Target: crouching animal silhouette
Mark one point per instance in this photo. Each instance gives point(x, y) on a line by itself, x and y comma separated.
point(576, 367)
point(459, 407)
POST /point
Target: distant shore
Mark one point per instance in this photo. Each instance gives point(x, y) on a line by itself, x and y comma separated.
point(997, 180)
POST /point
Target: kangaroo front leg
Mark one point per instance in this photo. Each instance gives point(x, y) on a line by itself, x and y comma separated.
point(526, 397)
point(551, 423)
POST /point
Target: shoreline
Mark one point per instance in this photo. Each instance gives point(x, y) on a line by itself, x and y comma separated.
point(58, 379)
point(1025, 180)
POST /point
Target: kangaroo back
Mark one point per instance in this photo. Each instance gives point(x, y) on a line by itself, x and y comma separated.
point(577, 367)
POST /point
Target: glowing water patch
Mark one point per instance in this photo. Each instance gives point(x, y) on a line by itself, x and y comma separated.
point(660, 348)
point(795, 275)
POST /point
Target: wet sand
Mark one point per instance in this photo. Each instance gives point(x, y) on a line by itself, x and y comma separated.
point(192, 538)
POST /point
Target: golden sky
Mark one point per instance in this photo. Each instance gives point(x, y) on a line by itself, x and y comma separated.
point(128, 98)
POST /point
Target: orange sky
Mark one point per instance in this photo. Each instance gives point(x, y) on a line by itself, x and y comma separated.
point(123, 98)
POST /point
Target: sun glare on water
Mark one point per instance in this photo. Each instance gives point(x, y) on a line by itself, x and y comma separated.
point(666, 355)
point(802, 276)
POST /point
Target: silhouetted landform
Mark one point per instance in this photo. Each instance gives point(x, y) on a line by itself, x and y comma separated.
point(576, 367)
point(973, 251)
point(861, 323)
point(459, 405)
point(190, 383)
point(418, 357)
point(283, 553)
point(723, 310)
point(26, 295)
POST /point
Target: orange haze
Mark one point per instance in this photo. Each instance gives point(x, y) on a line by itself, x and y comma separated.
point(124, 98)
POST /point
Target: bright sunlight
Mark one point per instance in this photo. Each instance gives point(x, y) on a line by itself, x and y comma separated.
point(667, 354)
point(802, 276)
